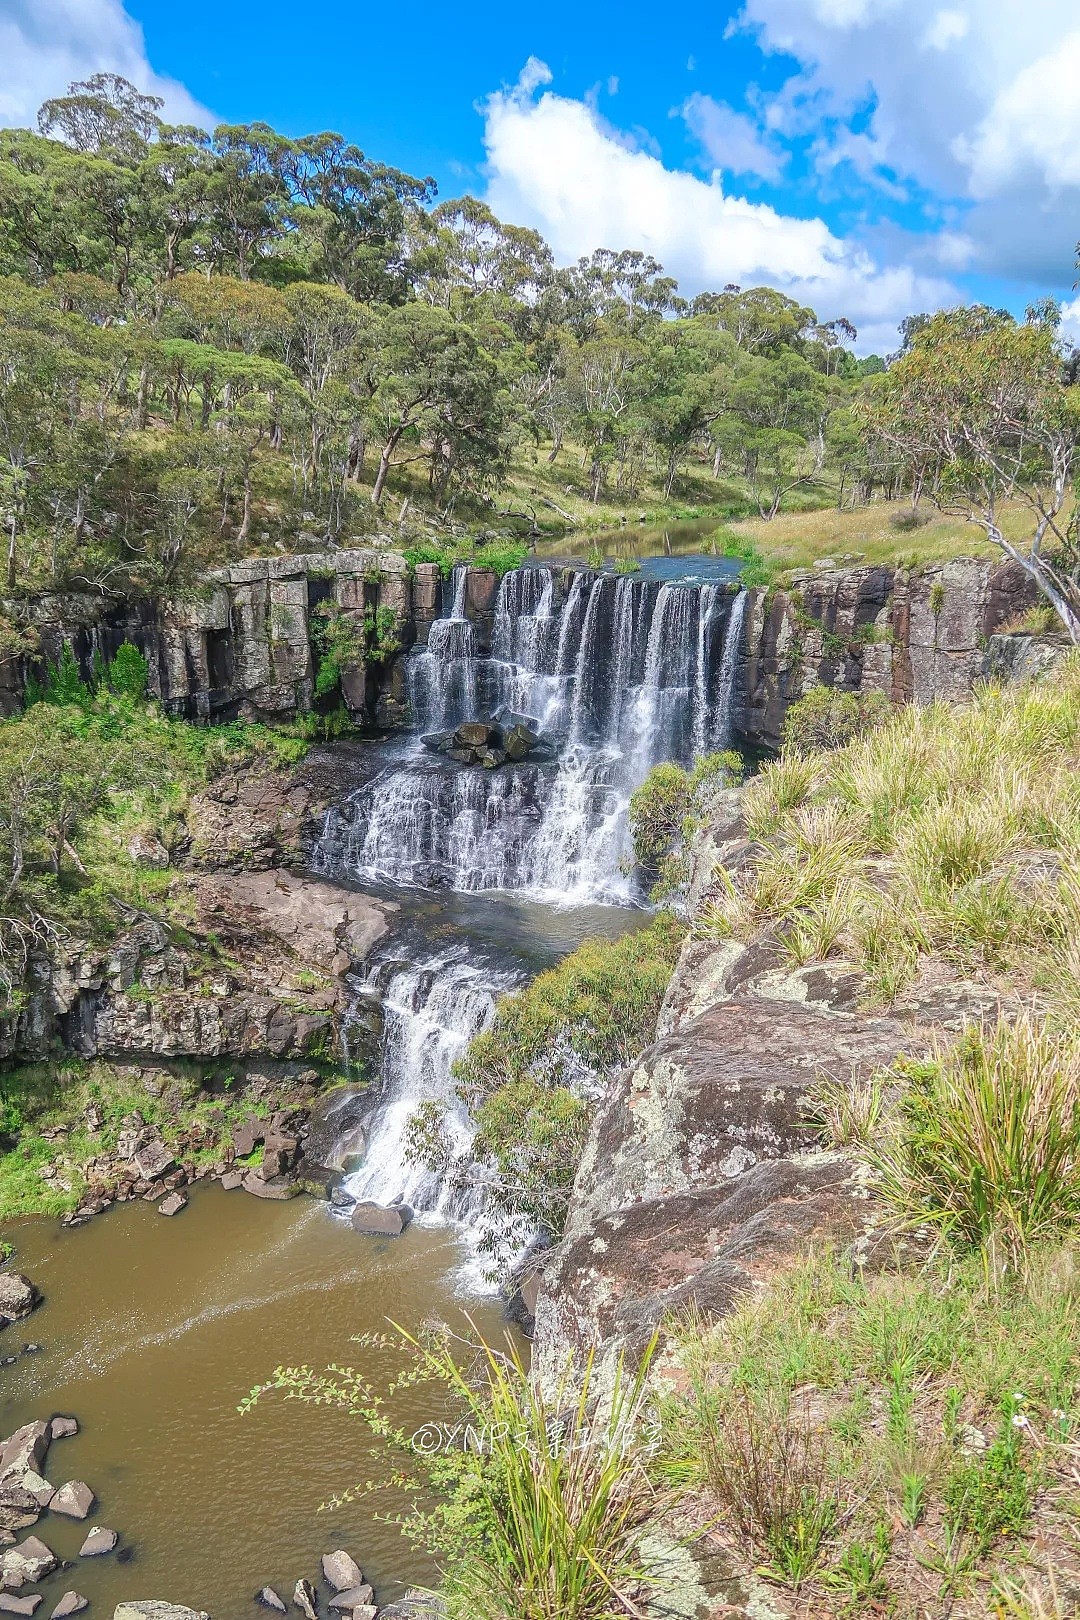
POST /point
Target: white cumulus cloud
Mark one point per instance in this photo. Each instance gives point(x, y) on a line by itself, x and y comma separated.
point(47, 44)
point(553, 164)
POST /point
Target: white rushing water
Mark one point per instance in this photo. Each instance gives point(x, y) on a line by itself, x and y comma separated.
point(616, 674)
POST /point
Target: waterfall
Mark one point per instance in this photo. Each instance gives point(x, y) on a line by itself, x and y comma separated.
point(617, 674)
point(432, 1008)
point(724, 728)
point(442, 677)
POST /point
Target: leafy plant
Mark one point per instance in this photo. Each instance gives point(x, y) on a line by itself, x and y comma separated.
point(986, 1145)
point(129, 673)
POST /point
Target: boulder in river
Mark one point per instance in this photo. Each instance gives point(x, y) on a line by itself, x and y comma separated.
point(63, 1428)
point(26, 1449)
point(155, 1609)
point(353, 1597)
point(380, 1220)
point(18, 1296)
point(100, 1540)
point(232, 1179)
point(70, 1603)
point(73, 1499)
point(31, 1560)
point(341, 1571)
point(247, 1136)
point(172, 1205)
point(278, 1187)
point(267, 1598)
point(304, 1599)
point(10, 1604)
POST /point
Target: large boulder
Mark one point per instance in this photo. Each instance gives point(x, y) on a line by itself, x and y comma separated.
point(18, 1296)
point(30, 1561)
point(25, 1450)
point(724, 1091)
point(341, 1571)
point(155, 1609)
point(73, 1499)
point(380, 1220)
point(70, 1603)
point(336, 1121)
point(100, 1540)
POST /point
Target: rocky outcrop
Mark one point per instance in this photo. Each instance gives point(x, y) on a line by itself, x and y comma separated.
point(915, 635)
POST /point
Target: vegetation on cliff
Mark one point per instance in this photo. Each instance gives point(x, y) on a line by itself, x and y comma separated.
point(529, 1081)
point(947, 835)
point(93, 784)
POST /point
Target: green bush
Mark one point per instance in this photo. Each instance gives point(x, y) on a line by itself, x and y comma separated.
point(826, 717)
point(129, 673)
point(666, 810)
point(986, 1144)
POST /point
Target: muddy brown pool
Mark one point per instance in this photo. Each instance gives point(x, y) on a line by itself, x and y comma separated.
point(153, 1330)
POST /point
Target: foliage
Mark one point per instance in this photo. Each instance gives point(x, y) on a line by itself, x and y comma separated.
point(826, 717)
point(540, 1510)
point(882, 1440)
point(944, 833)
point(339, 642)
point(129, 673)
point(669, 806)
point(211, 340)
point(756, 568)
point(985, 1148)
point(979, 410)
point(499, 555)
point(525, 1079)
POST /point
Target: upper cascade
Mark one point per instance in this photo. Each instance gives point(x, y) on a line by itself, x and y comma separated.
point(615, 674)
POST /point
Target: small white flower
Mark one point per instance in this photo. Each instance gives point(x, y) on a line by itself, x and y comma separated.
point(1018, 1395)
point(1021, 1421)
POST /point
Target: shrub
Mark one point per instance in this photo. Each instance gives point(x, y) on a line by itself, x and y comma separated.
point(339, 645)
point(908, 521)
point(666, 810)
point(826, 717)
point(540, 1509)
point(129, 673)
point(986, 1145)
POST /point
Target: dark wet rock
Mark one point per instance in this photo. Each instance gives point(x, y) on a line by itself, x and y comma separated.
point(26, 1449)
point(18, 1296)
point(336, 1126)
point(32, 1348)
point(380, 1220)
point(341, 1198)
point(172, 1205)
point(11, 1604)
point(278, 1187)
point(304, 1599)
point(342, 1571)
point(70, 1603)
point(267, 1598)
point(29, 1561)
point(100, 1540)
point(63, 1428)
point(73, 1499)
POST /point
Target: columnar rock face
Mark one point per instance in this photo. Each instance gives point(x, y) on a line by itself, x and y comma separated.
point(914, 635)
point(241, 644)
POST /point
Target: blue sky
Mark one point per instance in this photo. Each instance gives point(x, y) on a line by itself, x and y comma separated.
point(870, 157)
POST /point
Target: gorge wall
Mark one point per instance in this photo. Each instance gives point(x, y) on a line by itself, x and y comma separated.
point(242, 645)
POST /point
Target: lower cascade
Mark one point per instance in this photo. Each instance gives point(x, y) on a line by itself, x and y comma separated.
point(432, 1008)
point(613, 675)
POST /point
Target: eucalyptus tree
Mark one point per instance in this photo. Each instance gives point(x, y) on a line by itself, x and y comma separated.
point(981, 408)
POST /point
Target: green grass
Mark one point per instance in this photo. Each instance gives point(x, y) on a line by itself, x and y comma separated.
point(538, 1513)
point(946, 834)
point(885, 1439)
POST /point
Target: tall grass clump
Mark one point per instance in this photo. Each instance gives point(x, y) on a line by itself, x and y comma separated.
point(985, 1148)
point(942, 833)
point(536, 1507)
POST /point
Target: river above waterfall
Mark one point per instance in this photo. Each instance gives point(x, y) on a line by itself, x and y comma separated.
point(154, 1330)
point(633, 540)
